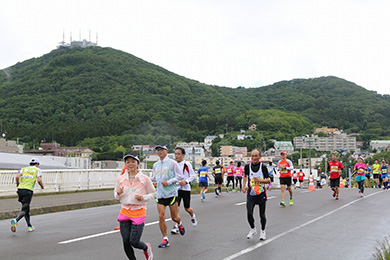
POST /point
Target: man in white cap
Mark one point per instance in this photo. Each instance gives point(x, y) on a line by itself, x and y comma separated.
point(25, 181)
point(166, 172)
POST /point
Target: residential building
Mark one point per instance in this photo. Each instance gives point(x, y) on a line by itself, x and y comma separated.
point(331, 143)
point(379, 145)
point(228, 150)
point(9, 146)
point(208, 141)
point(286, 146)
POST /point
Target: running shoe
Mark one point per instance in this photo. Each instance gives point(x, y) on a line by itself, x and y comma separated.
point(30, 228)
point(182, 230)
point(175, 230)
point(201, 199)
point(262, 235)
point(203, 196)
point(291, 202)
point(282, 203)
point(148, 252)
point(14, 224)
point(361, 195)
point(334, 194)
point(233, 190)
point(227, 190)
point(251, 233)
point(164, 243)
point(194, 221)
point(337, 197)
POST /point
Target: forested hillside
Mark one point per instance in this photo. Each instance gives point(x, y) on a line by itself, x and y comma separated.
point(95, 96)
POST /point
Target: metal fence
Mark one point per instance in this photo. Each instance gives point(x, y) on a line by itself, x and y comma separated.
point(66, 180)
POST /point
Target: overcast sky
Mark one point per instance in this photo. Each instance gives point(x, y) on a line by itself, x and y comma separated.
point(230, 43)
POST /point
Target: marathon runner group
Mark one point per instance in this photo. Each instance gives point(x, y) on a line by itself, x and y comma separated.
point(173, 180)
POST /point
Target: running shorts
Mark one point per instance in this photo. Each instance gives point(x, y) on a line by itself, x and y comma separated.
point(384, 176)
point(203, 184)
point(295, 181)
point(218, 179)
point(376, 176)
point(186, 196)
point(335, 182)
point(167, 201)
point(285, 181)
point(25, 195)
point(360, 178)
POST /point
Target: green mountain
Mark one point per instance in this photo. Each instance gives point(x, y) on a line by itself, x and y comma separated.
point(74, 95)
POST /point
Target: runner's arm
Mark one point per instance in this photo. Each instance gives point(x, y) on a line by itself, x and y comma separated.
point(39, 180)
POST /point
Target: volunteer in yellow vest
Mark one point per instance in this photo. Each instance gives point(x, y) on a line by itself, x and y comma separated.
point(375, 172)
point(25, 181)
point(285, 166)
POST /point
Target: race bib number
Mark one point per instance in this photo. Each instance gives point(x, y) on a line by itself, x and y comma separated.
point(202, 174)
point(218, 170)
point(257, 187)
point(238, 171)
point(334, 168)
point(361, 171)
point(384, 171)
point(283, 171)
point(28, 174)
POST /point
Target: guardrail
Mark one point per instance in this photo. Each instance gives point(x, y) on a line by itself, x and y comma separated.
point(66, 180)
point(75, 180)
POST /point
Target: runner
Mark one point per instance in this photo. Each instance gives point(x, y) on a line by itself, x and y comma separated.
point(271, 173)
point(301, 175)
point(359, 169)
point(238, 171)
point(323, 180)
point(184, 187)
point(295, 179)
point(376, 171)
point(230, 176)
point(285, 166)
point(166, 172)
point(335, 167)
point(25, 182)
point(368, 176)
point(218, 173)
point(133, 189)
point(384, 173)
point(256, 175)
point(203, 173)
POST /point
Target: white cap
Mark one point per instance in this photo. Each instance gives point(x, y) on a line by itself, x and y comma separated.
point(34, 160)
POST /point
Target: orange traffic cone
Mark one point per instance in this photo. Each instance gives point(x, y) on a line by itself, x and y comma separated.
point(311, 184)
point(341, 182)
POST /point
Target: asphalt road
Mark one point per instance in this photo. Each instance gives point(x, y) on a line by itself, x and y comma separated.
point(316, 227)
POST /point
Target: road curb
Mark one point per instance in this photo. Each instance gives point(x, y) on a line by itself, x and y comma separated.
point(66, 207)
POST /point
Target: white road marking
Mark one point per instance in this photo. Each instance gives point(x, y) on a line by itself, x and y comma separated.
point(243, 203)
point(263, 243)
point(103, 234)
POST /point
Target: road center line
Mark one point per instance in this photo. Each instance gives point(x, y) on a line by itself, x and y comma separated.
point(103, 234)
point(243, 203)
point(263, 243)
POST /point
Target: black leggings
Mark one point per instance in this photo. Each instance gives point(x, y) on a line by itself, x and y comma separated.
point(250, 205)
point(131, 235)
point(239, 181)
point(361, 186)
point(25, 197)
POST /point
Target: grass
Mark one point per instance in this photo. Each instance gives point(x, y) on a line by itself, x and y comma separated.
point(382, 252)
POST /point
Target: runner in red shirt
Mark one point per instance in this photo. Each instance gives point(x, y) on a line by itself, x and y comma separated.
point(301, 175)
point(335, 167)
point(285, 166)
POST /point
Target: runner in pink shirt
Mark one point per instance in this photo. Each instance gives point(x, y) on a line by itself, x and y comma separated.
point(360, 169)
point(238, 175)
point(230, 176)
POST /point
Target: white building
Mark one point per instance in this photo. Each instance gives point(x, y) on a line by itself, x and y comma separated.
point(286, 146)
point(208, 141)
point(379, 145)
point(331, 143)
